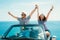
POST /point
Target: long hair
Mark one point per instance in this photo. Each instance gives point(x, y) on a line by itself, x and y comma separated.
point(44, 19)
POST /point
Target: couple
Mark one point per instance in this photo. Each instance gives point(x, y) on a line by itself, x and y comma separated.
point(41, 18)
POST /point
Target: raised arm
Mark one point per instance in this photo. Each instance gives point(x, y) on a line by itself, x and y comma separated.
point(37, 11)
point(33, 11)
point(12, 15)
point(49, 12)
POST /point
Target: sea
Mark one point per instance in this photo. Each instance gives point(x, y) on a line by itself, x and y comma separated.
point(53, 26)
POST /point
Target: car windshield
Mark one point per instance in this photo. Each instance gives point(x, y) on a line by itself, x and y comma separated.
point(27, 31)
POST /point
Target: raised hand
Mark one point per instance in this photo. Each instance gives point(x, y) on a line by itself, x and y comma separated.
point(36, 6)
point(49, 12)
point(12, 15)
point(33, 10)
point(52, 8)
point(9, 13)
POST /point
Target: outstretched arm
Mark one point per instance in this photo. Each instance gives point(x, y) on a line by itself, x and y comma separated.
point(49, 12)
point(33, 11)
point(37, 11)
point(12, 15)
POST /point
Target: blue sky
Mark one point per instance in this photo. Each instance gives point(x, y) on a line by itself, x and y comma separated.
point(17, 6)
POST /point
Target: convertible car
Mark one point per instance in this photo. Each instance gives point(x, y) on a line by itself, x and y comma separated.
point(26, 32)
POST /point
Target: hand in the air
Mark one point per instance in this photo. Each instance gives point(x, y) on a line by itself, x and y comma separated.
point(36, 6)
point(9, 13)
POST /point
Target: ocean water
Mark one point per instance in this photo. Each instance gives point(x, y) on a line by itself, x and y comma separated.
point(53, 26)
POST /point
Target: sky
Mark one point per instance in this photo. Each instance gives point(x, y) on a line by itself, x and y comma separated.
point(16, 7)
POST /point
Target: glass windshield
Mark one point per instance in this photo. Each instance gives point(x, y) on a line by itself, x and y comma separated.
point(35, 32)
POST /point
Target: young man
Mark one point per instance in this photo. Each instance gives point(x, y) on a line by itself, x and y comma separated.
point(24, 20)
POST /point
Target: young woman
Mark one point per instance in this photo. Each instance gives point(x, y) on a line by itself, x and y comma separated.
point(42, 19)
